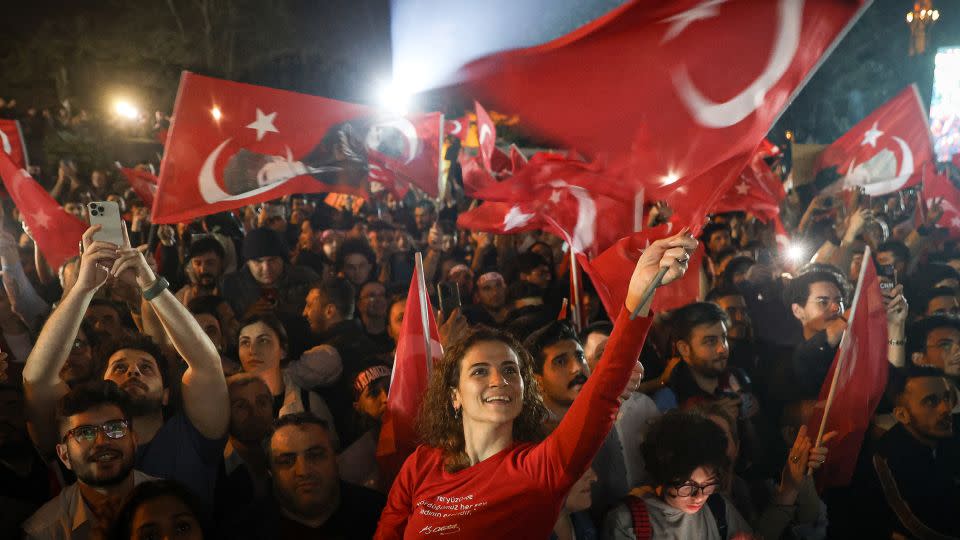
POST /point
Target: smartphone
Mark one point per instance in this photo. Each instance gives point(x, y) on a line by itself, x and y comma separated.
point(887, 275)
point(107, 215)
point(449, 295)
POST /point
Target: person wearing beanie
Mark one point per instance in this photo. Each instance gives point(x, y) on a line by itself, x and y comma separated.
point(267, 282)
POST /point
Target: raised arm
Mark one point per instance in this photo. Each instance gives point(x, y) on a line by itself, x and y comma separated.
point(41, 374)
point(204, 387)
point(582, 431)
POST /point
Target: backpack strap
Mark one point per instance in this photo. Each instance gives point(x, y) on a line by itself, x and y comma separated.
point(718, 507)
point(641, 519)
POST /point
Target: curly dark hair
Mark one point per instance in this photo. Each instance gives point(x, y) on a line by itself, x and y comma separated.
point(441, 428)
point(148, 491)
point(681, 441)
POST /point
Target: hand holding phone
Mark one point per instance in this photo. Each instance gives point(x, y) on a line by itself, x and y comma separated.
point(107, 215)
point(449, 296)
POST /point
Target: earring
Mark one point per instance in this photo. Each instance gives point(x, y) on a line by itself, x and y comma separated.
point(457, 413)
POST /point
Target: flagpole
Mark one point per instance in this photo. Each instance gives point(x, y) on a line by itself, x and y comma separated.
point(844, 344)
point(577, 323)
point(424, 314)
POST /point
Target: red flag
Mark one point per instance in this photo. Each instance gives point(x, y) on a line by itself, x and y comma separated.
point(486, 135)
point(644, 65)
point(500, 163)
point(501, 218)
point(886, 150)
point(457, 127)
point(56, 232)
point(408, 383)
point(768, 149)
point(935, 186)
point(610, 273)
point(566, 197)
point(234, 144)
point(419, 166)
point(855, 383)
point(11, 143)
point(517, 159)
point(758, 191)
point(143, 182)
point(475, 176)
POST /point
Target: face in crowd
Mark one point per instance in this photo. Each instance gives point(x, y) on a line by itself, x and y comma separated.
point(166, 517)
point(565, 372)
point(372, 401)
point(720, 242)
point(492, 291)
point(690, 496)
point(266, 270)
point(206, 269)
point(373, 300)
point(423, 217)
point(736, 308)
point(79, 365)
point(705, 350)
point(824, 304)
point(924, 408)
point(489, 388)
point(251, 410)
point(539, 276)
point(942, 351)
point(138, 374)
point(946, 304)
point(593, 347)
point(303, 466)
point(104, 319)
point(357, 268)
point(98, 445)
point(260, 349)
point(211, 327)
point(395, 322)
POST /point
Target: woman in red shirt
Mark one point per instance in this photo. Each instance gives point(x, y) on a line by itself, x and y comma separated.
point(485, 468)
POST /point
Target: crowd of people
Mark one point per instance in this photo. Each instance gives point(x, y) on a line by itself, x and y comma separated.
point(227, 377)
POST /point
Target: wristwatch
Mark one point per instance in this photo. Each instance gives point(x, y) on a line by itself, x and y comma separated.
point(154, 290)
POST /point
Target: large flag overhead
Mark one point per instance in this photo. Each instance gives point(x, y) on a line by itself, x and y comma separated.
point(12, 143)
point(577, 201)
point(758, 191)
point(418, 349)
point(56, 232)
point(644, 68)
point(855, 382)
point(233, 144)
point(886, 151)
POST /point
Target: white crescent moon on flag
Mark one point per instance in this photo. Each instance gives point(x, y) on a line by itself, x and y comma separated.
point(485, 133)
point(457, 127)
point(585, 231)
point(406, 128)
point(895, 183)
point(7, 147)
point(211, 191)
point(727, 113)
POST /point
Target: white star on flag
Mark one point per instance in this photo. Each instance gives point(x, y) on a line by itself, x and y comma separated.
point(955, 222)
point(515, 218)
point(555, 197)
point(743, 188)
point(263, 124)
point(871, 136)
point(681, 21)
point(42, 219)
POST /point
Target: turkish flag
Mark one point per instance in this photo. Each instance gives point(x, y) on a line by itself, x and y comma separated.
point(517, 159)
point(568, 197)
point(56, 232)
point(143, 182)
point(11, 143)
point(501, 218)
point(856, 380)
point(649, 66)
point(758, 191)
point(935, 186)
point(398, 169)
point(486, 135)
point(233, 144)
point(886, 151)
point(411, 373)
point(611, 271)
point(457, 127)
point(475, 176)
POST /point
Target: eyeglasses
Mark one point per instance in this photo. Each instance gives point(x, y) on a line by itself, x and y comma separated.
point(692, 489)
point(113, 429)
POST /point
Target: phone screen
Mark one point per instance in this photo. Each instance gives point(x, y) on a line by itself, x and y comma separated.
point(449, 296)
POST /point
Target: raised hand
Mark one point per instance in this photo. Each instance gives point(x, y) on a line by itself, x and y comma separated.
point(672, 253)
point(96, 261)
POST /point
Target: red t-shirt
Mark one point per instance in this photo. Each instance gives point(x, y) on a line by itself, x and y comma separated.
point(517, 493)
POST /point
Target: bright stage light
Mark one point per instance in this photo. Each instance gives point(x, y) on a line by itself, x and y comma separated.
point(126, 109)
point(796, 252)
point(215, 112)
point(945, 105)
point(394, 97)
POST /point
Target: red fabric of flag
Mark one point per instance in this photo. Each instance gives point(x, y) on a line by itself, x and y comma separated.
point(408, 384)
point(486, 136)
point(937, 186)
point(56, 232)
point(651, 66)
point(143, 182)
point(233, 144)
point(885, 151)
point(758, 191)
point(12, 144)
point(858, 377)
